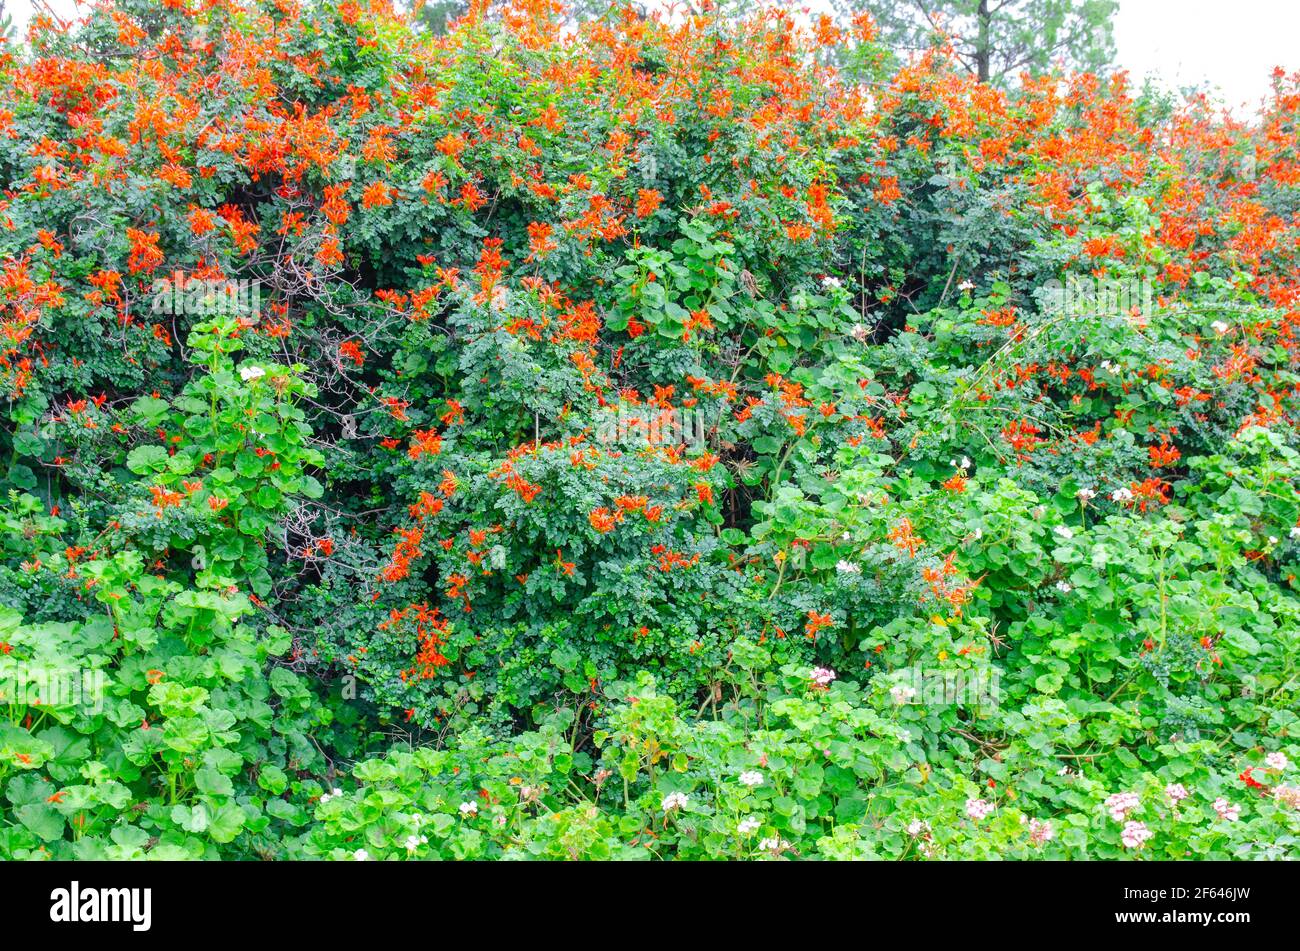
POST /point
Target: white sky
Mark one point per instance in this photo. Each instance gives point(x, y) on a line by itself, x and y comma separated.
point(1230, 45)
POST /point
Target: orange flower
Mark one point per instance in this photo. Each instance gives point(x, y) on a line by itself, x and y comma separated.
point(539, 240)
point(376, 195)
point(815, 623)
point(164, 499)
point(145, 255)
point(451, 145)
point(202, 221)
point(424, 442)
point(330, 253)
point(904, 539)
point(647, 202)
point(350, 350)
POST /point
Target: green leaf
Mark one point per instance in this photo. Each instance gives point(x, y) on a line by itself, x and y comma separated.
point(210, 782)
point(272, 779)
point(42, 819)
point(825, 557)
point(248, 464)
point(226, 823)
point(144, 459)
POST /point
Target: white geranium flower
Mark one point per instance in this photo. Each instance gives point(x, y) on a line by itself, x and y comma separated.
point(751, 778)
point(674, 800)
point(1121, 804)
point(1134, 834)
point(1040, 832)
point(822, 676)
point(468, 808)
point(1289, 796)
point(748, 825)
point(249, 374)
point(1229, 811)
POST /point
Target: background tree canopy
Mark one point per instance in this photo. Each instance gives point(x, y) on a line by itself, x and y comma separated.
point(998, 39)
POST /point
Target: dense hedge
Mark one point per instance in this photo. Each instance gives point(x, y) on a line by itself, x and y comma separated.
point(647, 438)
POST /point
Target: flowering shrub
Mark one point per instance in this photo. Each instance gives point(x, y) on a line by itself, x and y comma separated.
point(793, 768)
point(691, 437)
